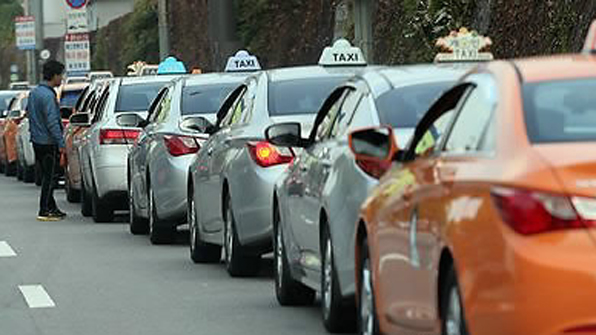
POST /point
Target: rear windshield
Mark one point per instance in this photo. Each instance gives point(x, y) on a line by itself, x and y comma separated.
point(403, 107)
point(301, 96)
point(69, 98)
point(561, 111)
point(204, 99)
point(137, 97)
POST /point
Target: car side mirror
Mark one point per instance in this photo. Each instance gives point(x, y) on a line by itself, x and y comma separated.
point(131, 120)
point(286, 134)
point(80, 120)
point(197, 124)
point(65, 112)
point(374, 149)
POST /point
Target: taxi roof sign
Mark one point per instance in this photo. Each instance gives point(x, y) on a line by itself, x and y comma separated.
point(242, 61)
point(464, 46)
point(171, 65)
point(590, 43)
point(342, 53)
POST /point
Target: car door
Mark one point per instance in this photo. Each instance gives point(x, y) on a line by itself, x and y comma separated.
point(408, 187)
point(449, 197)
point(323, 155)
point(302, 224)
point(212, 158)
point(138, 155)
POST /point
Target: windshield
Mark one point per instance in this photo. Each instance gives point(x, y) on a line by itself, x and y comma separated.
point(403, 107)
point(300, 96)
point(204, 99)
point(137, 97)
point(69, 98)
point(561, 111)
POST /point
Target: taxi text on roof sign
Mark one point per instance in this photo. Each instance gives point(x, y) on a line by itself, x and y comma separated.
point(242, 61)
point(342, 53)
point(171, 65)
point(464, 46)
point(590, 43)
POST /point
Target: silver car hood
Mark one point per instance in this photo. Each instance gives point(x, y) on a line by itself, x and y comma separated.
point(306, 120)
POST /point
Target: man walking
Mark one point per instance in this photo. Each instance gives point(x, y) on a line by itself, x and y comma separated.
point(45, 126)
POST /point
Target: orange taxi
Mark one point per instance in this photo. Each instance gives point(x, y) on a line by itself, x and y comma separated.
point(486, 224)
point(16, 113)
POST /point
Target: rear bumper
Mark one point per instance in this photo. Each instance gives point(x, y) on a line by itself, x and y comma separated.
point(109, 171)
point(169, 184)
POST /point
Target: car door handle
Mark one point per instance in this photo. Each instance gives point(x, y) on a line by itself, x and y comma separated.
point(303, 168)
point(210, 151)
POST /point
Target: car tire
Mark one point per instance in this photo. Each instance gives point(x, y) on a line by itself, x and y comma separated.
point(19, 170)
point(288, 291)
point(339, 315)
point(368, 323)
point(2, 167)
point(86, 207)
point(137, 224)
point(157, 233)
point(239, 262)
point(101, 211)
point(200, 252)
point(29, 174)
point(453, 321)
point(11, 169)
point(72, 195)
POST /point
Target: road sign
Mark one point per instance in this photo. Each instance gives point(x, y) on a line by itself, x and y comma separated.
point(76, 3)
point(25, 32)
point(76, 53)
point(77, 21)
point(45, 54)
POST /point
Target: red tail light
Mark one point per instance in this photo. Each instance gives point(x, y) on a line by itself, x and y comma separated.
point(374, 169)
point(181, 145)
point(118, 136)
point(529, 212)
point(266, 155)
point(65, 122)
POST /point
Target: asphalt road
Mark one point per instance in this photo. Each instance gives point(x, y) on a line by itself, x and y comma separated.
point(100, 279)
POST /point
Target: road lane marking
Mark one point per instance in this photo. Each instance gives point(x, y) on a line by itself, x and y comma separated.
point(36, 296)
point(6, 250)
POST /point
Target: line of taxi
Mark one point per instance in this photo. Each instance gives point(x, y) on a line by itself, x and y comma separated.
point(449, 198)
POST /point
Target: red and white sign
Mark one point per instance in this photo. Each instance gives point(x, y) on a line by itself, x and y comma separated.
point(77, 53)
point(25, 32)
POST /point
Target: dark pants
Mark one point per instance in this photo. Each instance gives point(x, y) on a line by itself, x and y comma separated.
point(47, 157)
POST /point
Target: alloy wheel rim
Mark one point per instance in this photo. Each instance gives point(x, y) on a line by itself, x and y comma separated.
point(453, 322)
point(327, 282)
point(229, 247)
point(366, 300)
point(279, 266)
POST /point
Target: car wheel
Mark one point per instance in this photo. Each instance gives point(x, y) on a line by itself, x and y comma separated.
point(453, 321)
point(157, 233)
point(28, 174)
point(137, 224)
point(19, 170)
point(2, 166)
point(200, 252)
point(72, 195)
point(11, 169)
point(288, 291)
point(239, 262)
point(337, 313)
point(368, 323)
point(37, 175)
point(101, 211)
point(86, 208)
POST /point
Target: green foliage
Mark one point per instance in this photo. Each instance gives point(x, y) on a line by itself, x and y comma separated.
point(142, 40)
point(8, 10)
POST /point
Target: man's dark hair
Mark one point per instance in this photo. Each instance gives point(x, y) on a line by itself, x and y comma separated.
point(52, 68)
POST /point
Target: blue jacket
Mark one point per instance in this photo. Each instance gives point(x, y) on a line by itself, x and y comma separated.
point(45, 124)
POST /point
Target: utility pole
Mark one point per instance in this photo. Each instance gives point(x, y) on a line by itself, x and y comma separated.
point(363, 10)
point(35, 8)
point(164, 38)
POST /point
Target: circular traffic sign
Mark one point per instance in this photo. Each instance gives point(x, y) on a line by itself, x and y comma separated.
point(45, 54)
point(76, 4)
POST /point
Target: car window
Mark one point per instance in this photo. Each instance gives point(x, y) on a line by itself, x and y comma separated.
point(430, 142)
point(137, 97)
point(324, 128)
point(69, 98)
point(470, 122)
point(300, 96)
point(163, 111)
point(234, 113)
point(204, 99)
point(560, 111)
point(346, 114)
point(101, 105)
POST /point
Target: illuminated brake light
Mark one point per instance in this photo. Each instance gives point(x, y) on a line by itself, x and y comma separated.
point(528, 212)
point(118, 136)
point(266, 155)
point(181, 145)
